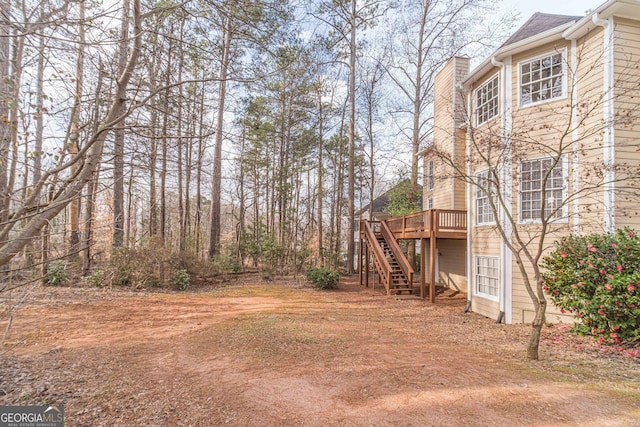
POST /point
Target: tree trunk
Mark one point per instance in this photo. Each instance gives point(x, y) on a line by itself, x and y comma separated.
point(201, 146)
point(351, 209)
point(5, 97)
point(74, 135)
point(165, 142)
point(321, 251)
point(119, 135)
point(216, 185)
point(94, 147)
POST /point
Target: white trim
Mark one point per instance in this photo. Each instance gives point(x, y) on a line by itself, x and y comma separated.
point(563, 64)
point(454, 99)
point(476, 292)
point(518, 47)
point(575, 138)
point(477, 187)
point(507, 179)
point(429, 202)
point(564, 212)
point(429, 184)
point(486, 82)
point(608, 147)
point(469, 262)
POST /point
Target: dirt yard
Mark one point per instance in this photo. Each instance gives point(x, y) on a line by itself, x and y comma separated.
point(283, 354)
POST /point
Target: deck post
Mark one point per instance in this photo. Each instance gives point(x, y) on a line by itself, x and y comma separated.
point(423, 267)
point(432, 256)
point(360, 266)
point(367, 263)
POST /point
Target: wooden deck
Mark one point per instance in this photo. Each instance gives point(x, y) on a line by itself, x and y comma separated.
point(427, 226)
point(438, 223)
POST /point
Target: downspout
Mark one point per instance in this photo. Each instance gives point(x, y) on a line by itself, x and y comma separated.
point(608, 155)
point(575, 136)
point(470, 275)
point(505, 171)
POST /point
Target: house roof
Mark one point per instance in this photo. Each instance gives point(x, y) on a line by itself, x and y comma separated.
point(544, 28)
point(539, 23)
point(380, 202)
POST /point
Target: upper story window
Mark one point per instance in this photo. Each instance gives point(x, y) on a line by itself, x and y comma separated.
point(487, 101)
point(532, 178)
point(429, 175)
point(542, 79)
point(484, 188)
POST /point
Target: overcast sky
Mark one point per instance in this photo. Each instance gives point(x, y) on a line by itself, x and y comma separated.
point(526, 8)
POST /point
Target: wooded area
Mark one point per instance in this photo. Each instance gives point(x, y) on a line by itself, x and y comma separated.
point(246, 132)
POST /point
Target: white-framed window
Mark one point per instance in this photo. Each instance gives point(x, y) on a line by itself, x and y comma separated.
point(532, 177)
point(486, 99)
point(542, 78)
point(430, 203)
point(483, 189)
point(487, 276)
point(429, 175)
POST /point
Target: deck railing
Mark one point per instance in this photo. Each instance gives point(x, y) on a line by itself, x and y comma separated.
point(379, 260)
point(422, 223)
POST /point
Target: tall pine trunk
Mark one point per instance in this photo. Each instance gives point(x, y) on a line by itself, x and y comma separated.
point(216, 185)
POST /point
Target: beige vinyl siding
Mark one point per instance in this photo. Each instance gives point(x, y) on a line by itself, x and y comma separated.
point(448, 193)
point(522, 306)
point(627, 131)
point(589, 87)
point(443, 183)
point(452, 264)
point(459, 186)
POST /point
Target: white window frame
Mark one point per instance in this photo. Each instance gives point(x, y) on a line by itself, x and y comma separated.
point(483, 266)
point(430, 203)
point(480, 196)
point(531, 79)
point(429, 174)
point(487, 100)
point(559, 191)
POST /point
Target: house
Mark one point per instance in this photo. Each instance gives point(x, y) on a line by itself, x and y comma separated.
point(541, 140)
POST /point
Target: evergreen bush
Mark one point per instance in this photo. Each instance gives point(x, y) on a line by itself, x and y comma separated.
point(597, 279)
point(323, 278)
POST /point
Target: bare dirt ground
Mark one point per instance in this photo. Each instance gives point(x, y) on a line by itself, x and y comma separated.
point(283, 354)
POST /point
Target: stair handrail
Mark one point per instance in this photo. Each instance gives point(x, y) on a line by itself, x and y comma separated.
point(397, 252)
point(382, 264)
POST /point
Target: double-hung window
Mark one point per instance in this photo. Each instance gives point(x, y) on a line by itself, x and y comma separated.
point(429, 175)
point(484, 189)
point(532, 179)
point(487, 101)
point(487, 276)
point(542, 79)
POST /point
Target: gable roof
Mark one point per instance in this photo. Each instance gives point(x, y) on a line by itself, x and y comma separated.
point(539, 23)
point(380, 202)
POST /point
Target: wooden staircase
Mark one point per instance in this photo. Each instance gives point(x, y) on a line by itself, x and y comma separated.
point(392, 266)
point(399, 282)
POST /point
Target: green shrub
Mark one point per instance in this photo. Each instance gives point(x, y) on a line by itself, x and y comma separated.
point(323, 278)
point(144, 267)
point(56, 273)
point(97, 278)
point(597, 279)
point(182, 279)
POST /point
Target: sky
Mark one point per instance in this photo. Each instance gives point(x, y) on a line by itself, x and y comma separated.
point(526, 8)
